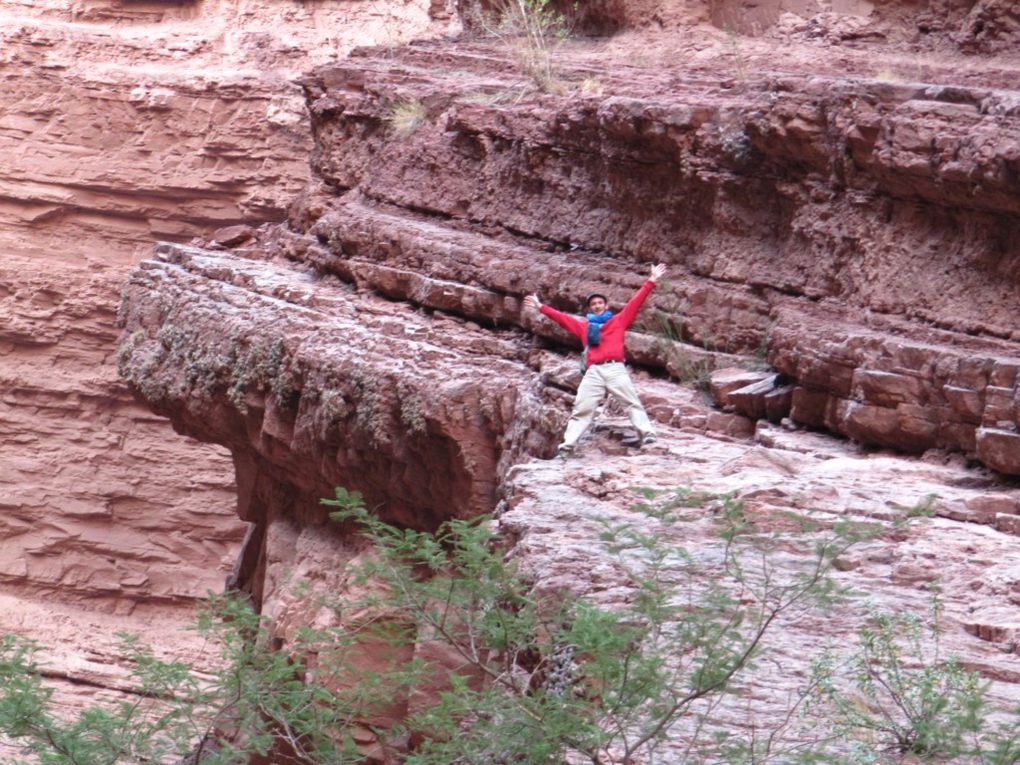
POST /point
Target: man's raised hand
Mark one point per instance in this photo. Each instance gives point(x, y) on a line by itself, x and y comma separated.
point(657, 271)
point(532, 301)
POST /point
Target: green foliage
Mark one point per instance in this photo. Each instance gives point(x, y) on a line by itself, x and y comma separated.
point(924, 508)
point(546, 682)
point(145, 729)
point(683, 361)
point(454, 590)
point(517, 676)
point(1001, 746)
point(905, 697)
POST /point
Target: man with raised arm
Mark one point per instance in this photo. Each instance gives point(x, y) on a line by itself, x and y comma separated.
point(601, 334)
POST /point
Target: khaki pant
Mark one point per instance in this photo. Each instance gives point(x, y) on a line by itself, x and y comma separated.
point(598, 380)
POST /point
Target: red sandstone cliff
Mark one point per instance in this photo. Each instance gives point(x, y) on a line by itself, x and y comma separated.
point(124, 123)
point(829, 205)
point(822, 212)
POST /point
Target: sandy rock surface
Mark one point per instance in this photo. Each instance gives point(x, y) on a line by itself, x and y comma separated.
point(552, 512)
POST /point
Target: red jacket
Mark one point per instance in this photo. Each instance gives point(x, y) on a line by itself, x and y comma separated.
point(610, 347)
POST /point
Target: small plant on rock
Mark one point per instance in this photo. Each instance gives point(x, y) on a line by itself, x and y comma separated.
point(405, 116)
point(684, 361)
point(532, 29)
point(905, 697)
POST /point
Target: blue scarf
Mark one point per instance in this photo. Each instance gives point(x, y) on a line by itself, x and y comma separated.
point(595, 322)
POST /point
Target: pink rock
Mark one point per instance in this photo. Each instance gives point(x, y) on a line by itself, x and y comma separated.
point(778, 403)
point(966, 403)
point(999, 449)
point(809, 406)
point(1005, 504)
point(723, 382)
point(231, 236)
point(730, 424)
point(1008, 524)
point(888, 389)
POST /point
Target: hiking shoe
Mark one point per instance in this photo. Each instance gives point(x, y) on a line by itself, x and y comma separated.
point(564, 452)
point(648, 438)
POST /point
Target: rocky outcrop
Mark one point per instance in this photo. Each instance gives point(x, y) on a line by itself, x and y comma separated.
point(907, 390)
point(974, 26)
point(826, 235)
point(310, 384)
point(760, 196)
point(886, 382)
point(797, 185)
point(788, 481)
point(826, 208)
point(296, 414)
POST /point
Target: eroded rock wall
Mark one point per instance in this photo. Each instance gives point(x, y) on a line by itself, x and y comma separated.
point(124, 123)
point(972, 26)
point(835, 227)
point(859, 234)
point(824, 208)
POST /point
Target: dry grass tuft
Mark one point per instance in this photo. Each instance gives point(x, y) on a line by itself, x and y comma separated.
point(405, 116)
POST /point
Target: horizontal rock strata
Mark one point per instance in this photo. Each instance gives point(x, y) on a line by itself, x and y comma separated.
point(807, 186)
point(311, 386)
point(888, 199)
point(886, 382)
point(123, 123)
point(76, 525)
point(906, 389)
point(826, 233)
point(785, 479)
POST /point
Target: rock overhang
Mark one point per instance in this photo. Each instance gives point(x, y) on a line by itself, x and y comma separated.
point(448, 258)
point(312, 385)
point(764, 197)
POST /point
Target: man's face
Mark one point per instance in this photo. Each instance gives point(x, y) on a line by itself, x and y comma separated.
point(597, 305)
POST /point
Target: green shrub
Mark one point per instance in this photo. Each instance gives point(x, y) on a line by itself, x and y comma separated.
point(903, 696)
point(517, 677)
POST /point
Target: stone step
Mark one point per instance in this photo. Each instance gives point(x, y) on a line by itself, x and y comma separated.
point(893, 383)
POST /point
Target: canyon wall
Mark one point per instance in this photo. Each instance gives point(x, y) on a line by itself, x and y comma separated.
point(840, 234)
point(833, 185)
point(125, 123)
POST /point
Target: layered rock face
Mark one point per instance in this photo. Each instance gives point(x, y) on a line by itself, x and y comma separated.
point(827, 205)
point(855, 233)
point(553, 512)
point(988, 26)
point(891, 205)
point(971, 26)
point(125, 123)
